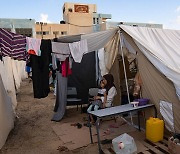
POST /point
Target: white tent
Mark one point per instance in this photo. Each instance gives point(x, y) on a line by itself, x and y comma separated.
point(161, 47)
point(12, 72)
point(6, 114)
point(158, 55)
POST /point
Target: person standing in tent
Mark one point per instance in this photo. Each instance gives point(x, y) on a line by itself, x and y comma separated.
point(108, 81)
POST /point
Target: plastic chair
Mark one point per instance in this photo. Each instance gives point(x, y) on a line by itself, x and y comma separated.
point(72, 98)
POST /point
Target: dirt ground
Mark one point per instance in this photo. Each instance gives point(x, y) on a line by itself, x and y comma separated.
point(33, 133)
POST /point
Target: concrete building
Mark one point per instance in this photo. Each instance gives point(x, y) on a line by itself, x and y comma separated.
point(24, 27)
point(49, 31)
point(77, 19)
point(110, 25)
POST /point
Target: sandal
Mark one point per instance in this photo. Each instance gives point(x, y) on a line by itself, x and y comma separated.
point(79, 125)
point(88, 124)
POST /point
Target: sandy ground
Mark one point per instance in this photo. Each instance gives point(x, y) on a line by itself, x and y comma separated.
point(33, 133)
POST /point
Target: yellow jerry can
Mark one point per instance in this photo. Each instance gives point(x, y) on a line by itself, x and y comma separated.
point(154, 129)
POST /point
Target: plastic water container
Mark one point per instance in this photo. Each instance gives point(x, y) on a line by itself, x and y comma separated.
point(154, 129)
point(124, 144)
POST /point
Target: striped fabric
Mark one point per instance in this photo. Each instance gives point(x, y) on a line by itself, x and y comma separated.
point(13, 45)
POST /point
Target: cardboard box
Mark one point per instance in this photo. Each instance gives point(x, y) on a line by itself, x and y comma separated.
point(173, 147)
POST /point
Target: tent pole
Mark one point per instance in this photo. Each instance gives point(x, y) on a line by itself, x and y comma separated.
point(125, 75)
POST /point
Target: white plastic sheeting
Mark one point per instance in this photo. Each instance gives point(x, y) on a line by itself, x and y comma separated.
point(17, 78)
point(12, 73)
point(102, 65)
point(162, 48)
point(98, 40)
point(9, 79)
point(167, 113)
point(6, 114)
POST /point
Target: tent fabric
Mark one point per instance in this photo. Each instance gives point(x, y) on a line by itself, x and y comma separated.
point(111, 51)
point(157, 87)
point(6, 114)
point(116, 74)
point(102, 66)
point(95, 41)
point(12, 73)
point(167, 113)
point(17, 78)
point(98, 40)
point(18, 66)
point(23, 72)
point(19, 73)
point(8, 79)
point(108, 54)
point(161, 48)
point(157, 83)
point(68, 39)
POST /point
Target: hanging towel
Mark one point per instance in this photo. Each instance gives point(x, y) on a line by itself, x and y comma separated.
point(60, 50)
point(78, 49)
point(33, 46)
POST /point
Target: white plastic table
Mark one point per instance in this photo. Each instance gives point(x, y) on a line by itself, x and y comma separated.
point(113, 111)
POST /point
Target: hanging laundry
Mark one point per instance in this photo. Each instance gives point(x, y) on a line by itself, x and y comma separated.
point(40, 70)
point(13, 45)
point(78, 49)
point(60, 50)
point(6, 39)
point(61, 98)
point(66, 68)
point(33, 46)
point(19, 47)
point(70, 61)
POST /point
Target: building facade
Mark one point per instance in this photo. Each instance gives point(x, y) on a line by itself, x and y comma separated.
point(110, 25)
point(78, 18)
point(50, 31)
point(24, 27)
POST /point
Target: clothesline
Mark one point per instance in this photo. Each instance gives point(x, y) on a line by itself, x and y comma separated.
point(61, 53)
point(31, 46)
